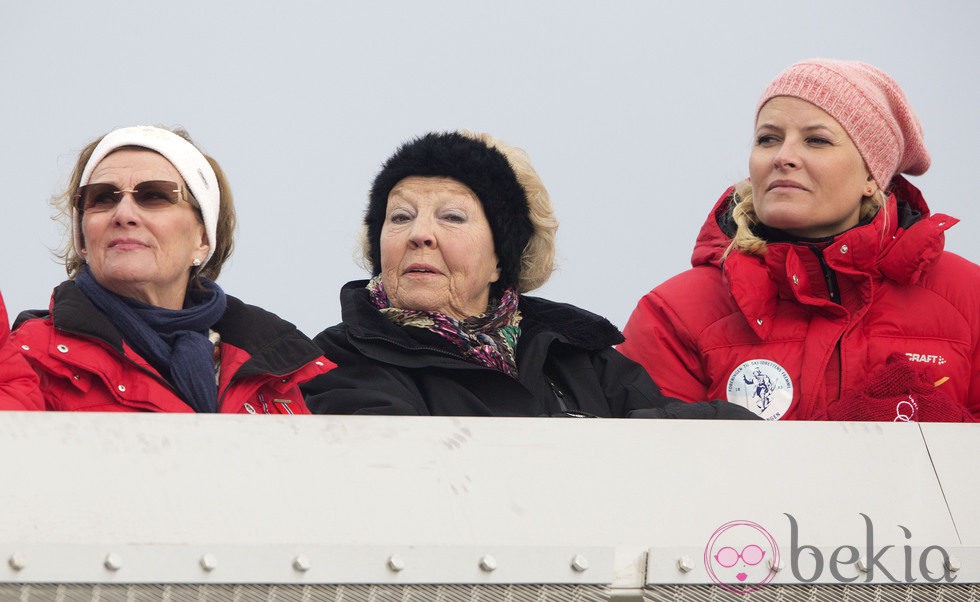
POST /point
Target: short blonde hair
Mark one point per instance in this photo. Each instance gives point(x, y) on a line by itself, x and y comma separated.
point(538, 258)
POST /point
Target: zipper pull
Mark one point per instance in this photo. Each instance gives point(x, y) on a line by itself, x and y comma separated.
point(559, 395)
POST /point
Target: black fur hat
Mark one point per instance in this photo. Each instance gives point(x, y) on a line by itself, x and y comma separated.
point(483, 169)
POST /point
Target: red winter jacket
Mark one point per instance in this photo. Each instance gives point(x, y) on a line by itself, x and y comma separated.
point(763, 331)
point(18, 383)
point(84, 364)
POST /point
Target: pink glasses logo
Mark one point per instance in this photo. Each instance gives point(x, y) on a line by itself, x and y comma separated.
point(740, 555)
point(751, 555)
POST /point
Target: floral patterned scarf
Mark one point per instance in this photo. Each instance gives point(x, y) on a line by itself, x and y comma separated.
point(489, 339)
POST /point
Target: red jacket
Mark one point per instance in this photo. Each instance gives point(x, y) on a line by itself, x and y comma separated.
point(84, 364)
point(18, 383)
point(764, 332)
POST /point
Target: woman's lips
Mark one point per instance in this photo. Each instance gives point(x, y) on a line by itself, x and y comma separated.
point(785, 185)
point(421, 269)
point(127, 244)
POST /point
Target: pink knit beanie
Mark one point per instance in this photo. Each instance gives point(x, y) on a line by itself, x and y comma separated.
point(870, 107)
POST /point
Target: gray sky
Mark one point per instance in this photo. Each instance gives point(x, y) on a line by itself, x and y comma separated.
point(637, 115)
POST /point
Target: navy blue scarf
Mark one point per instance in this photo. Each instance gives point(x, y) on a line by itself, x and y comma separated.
point(175, 342)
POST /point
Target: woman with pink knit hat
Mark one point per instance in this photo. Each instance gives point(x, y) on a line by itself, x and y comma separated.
point(820, 289)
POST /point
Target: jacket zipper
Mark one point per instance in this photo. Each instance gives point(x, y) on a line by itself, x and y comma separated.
point(559, 396)
point(833, 290)
point(829, 276)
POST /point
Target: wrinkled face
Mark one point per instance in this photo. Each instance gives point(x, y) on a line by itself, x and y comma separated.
point(808, 178)
point(142, 252)
point(437, 250)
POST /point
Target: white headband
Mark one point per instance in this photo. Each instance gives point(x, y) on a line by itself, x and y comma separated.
point(193, 167)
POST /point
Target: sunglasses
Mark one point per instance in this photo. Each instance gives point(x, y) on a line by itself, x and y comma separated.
point(150, 195)
point(750, 555)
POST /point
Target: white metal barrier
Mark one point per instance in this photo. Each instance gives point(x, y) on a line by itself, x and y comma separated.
point(313, 507)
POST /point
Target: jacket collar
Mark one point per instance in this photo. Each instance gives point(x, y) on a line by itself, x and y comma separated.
point(905, 205)
point(366, 326)
point(570, 324)
point(274, 345)
point(900, 248)
point(72, 312)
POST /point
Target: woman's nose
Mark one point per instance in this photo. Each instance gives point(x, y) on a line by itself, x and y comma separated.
point(421, 234)
point(126, 210)
point(786, 157)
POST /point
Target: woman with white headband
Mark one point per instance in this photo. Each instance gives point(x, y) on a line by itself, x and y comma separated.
point(141, 325)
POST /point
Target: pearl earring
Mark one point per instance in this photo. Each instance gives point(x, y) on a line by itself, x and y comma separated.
point(196, 263)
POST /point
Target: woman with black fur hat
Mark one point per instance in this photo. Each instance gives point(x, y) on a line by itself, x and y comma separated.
point(458, 226)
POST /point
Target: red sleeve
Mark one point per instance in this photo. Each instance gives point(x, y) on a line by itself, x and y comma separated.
point(656, 338)
point(19, 385)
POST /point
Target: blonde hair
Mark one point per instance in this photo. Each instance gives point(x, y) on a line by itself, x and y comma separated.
point(743, 214)
point(538, 258)
point(224, 235)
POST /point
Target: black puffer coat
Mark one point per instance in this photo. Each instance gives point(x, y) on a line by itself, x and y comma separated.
point(565, 362)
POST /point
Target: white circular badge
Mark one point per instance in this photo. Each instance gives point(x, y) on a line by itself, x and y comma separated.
point(762, 386)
